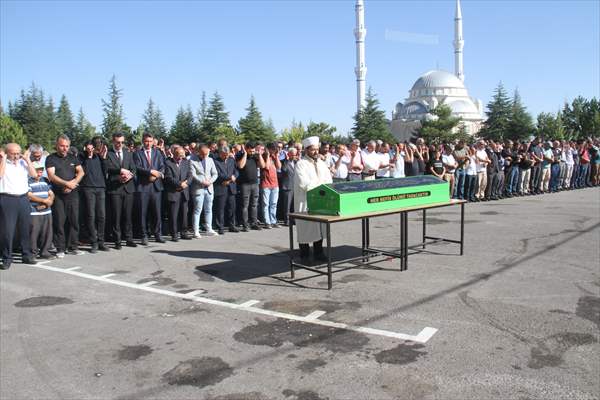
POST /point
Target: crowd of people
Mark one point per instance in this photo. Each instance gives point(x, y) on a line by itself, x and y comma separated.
point(119, 192)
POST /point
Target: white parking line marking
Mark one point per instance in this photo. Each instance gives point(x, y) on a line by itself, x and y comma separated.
point(146, 284)
point(195, 292)
point(107, 275)
point(314, 315)
point(421, 337)
point(72, 269)
point(249, 303)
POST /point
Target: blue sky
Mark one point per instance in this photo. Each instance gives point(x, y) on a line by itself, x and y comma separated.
point(296, 57)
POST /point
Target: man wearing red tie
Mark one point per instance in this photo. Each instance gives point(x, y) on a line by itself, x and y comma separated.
point(150, 173)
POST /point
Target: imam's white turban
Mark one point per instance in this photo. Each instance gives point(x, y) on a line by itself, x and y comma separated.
point(311, 141)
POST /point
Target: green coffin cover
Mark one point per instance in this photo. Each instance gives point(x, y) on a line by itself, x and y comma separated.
point(349, 198)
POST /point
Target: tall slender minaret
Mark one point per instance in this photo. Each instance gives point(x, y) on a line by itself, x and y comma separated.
point(361, 69)
point(458, 43)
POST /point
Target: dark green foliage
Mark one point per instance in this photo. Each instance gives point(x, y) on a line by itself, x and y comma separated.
point(252, 127)
point(84, 130)
point(184, 130)
point(65, 125)
point(113, 120)
point(11, 131)
point(153, 120)
point(443, 128)
point(498, 114)
point(370, 122)
point(520, 125)
point(36, 116)
point(215, 117)
point(581, 118)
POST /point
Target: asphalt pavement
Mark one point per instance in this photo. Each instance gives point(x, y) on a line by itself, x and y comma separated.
point(516, 317)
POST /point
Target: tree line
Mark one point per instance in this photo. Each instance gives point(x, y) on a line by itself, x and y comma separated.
point(33, 118)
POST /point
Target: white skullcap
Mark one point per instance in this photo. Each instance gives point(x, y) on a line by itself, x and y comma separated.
point(310, 141)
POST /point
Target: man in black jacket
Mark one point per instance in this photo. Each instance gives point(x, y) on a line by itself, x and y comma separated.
point(286, 184)
point(120, 168)
point(225, 191)
point(150, 165)
point(93, 186)
point(178, 178)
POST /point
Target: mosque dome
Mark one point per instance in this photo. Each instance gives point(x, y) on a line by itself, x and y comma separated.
point(464, 106)
point(438, 79)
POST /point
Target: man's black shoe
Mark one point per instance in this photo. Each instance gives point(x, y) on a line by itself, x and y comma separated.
point(5, 265)
point(94, 248)
point(233, 229)
point(102, 247)
point(29, 260)
point(245, 228)
point(130, 243)
point(267, 226)
point(256, 227)
point(185, 236)
point(221, 231)
point(174, 238)
point(159, 239)
point(144, 241)
point(118, 246)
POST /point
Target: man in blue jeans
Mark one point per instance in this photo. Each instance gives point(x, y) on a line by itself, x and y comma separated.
point(204, 174)
point(461, 155)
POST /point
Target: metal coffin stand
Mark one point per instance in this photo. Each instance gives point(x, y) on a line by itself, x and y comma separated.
point(368, 252)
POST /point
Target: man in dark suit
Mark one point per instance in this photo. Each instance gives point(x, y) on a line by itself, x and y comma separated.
point(286, 184)
point(150, 165)
point(178, 178)
point(120, 168)
point(225, 191)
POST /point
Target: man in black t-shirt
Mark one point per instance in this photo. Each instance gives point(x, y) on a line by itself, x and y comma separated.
point(247, 164)
point(93, 187)
point(65, 173)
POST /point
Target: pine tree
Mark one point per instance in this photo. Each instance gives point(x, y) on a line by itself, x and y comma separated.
point(11, 131)
point(550, 127)
point(520, 125)
point(498, 115)
point(113, 120)
point(184, 129)
point(294, 133)
point(442, 128)
point(321, 129)
point(64, 119)
point(153, 120)
point(216, 117)
point(84, 130)
point(202, 117)
point(252, 127)
point(370, 122)
point(35, 116)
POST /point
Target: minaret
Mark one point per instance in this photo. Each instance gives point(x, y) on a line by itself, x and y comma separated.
point(458, 43)
point(361, 69)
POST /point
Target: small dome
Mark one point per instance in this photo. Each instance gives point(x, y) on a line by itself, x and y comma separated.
point(463, 107)
point(414, 108)
point(438, 79)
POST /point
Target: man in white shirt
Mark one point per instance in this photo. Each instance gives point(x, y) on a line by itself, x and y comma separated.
point(398, 161)
point(15, 170)
point(384, 159)
point(371, 161)
point(341, 163)
point(482, 161)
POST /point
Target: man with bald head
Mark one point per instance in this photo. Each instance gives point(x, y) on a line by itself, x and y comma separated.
point(15, 170)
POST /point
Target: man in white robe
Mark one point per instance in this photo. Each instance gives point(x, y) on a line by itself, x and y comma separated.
point(310, 172)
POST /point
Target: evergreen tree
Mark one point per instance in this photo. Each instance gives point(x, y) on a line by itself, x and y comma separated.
point(216, 116)
point(83, 129)
point(550, 127)
point(498, 115)
point(252, 127)
point(370, 122)
point(202, 118)
point(113, 120)
point(64, 119)
point(520, 125)
point(295, 132)
point(153, 120)
point(35, 116)
point(323, 130)
point(11, 131)
point(183, 130)
point(442, 127)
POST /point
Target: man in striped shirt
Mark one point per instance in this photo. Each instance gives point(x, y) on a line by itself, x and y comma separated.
point(41, 198)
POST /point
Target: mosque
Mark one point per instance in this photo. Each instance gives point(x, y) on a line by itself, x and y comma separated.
point(431, 89)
